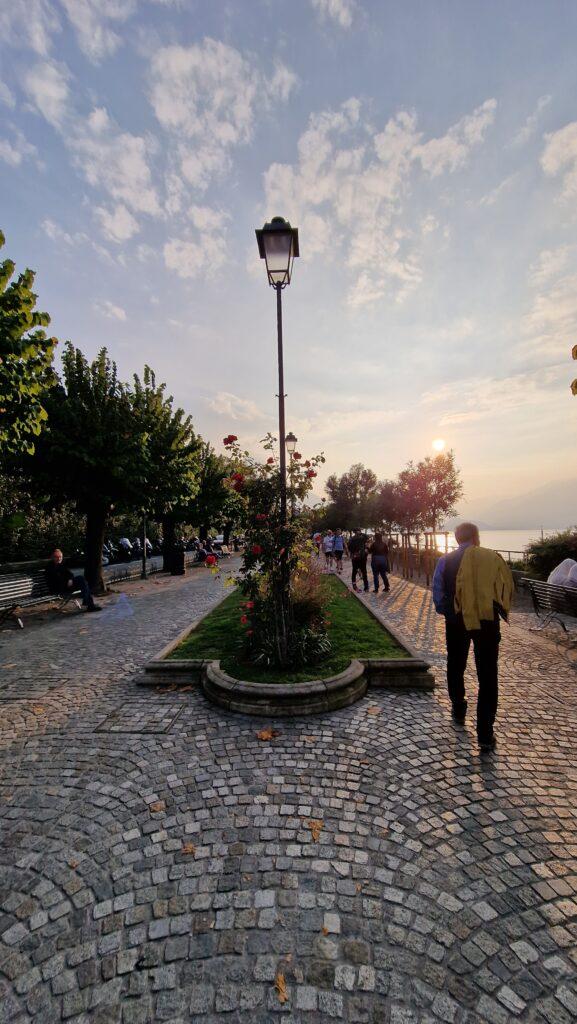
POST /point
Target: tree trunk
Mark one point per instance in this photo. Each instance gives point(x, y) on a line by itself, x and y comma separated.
point(95, 527)
point(168, 542)
point(203, 532)
point(226, 533)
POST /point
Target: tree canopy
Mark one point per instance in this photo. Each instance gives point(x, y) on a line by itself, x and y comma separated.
point(26, 355)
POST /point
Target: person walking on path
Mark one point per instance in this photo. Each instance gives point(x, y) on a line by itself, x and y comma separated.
point(358, 553)
point(473, 588)
point(61, 581)
point(328, 548)
point(339, 548)
point(380, 562)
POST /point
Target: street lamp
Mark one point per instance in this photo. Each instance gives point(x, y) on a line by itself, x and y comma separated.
point(291, 443)
point(278, 244)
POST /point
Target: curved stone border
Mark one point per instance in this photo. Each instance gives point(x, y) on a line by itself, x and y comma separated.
point(289, 699)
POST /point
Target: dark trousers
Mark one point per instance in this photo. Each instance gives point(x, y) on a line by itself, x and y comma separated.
point(380, 566)
point(79, 583)
point(486, 649)
point(360, 565)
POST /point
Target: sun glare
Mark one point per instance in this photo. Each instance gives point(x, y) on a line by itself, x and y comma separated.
point(439, 444)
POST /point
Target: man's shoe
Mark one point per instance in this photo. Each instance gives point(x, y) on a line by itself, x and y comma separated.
point(94, 608)
point(376, 590)
point(355, 586)
point(459, 712)
point(366, 590)
point(487, 743)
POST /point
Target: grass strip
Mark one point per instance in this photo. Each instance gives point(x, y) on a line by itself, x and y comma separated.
point(353, 632)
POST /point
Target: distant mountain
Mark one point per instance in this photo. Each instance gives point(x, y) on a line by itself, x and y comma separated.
point(553, 506)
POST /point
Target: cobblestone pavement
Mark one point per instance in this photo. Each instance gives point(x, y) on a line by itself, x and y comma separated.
point(160, 862)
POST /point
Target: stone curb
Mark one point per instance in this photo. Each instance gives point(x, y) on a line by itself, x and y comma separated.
point(289, 699)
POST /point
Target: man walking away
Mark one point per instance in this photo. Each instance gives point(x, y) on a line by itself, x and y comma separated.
point(380, 562)
point(358, 553)
point(338, 550)
point(61, 581)
point(472, 588)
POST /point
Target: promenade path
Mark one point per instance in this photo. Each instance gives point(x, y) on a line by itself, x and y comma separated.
point(157, 861)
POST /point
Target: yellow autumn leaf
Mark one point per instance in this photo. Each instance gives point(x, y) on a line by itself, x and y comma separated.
point(159, 805)
point(188, 848)
point(280, 985)
point(267, 734)
point(316, 828)
point(374, 710)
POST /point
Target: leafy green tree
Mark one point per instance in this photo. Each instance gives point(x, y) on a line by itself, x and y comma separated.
point(172, 457)
point(26, 355)
point(214, 501)
point(31, 528)
point(352, 497)
point(428, 492)
point(93, 450)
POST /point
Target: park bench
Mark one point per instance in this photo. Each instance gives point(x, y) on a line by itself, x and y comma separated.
point(27, 587)
point(551, 602)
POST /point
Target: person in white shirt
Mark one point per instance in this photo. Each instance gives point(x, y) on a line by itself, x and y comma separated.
point(328, 548)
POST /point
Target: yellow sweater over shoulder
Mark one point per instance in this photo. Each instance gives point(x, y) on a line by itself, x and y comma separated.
point(483, 577)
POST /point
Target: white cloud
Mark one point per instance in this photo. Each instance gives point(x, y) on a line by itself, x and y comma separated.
point(117, 223)
point(349, 186)
point(491, 197)
point(551, 263)
point(92, 20)
point(233, 407)
point(451, 151)
point(207, 97)
point(341, 11)
point(29, 23)
point(13, 151)
point(206, 219)
point(6, 96)
point(479, 398)
point(429, 224)
point(46, 85)
point(560, 155)
point(530, 126)
point(109, 310)
point(191, 258)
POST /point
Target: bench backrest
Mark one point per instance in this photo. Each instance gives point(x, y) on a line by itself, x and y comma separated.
point(22, 586)
point(552, 598)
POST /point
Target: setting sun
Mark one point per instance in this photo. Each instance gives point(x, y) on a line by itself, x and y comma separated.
point(438, 444)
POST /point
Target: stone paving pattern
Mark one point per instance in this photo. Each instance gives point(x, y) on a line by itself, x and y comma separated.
point(158, 861)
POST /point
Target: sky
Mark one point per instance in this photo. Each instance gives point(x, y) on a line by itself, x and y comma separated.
point(427, 153)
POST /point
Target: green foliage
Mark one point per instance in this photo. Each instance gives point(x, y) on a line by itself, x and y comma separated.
point(26, 355)
point(93, 450)
point(545, 554)
point(352, 497)
point(30, 529)
point(351, 631)
point(172, 449)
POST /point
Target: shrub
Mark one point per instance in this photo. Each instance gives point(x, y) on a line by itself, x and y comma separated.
point(545, 554)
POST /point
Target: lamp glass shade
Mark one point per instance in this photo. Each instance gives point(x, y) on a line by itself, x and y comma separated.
point(278, 245)
point(291, 443)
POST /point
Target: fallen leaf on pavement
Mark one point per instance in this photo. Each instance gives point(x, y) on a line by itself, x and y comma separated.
point(39, 710)
point(325, 931)
point(267, 734)
point(310, 739)
point(158, 806)
point(280, 985)
point(73, 863)
point(11, 665)
point(188, 848)
point(316, 828)
point(374, 710)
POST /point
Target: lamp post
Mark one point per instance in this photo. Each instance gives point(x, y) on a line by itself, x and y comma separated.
point(143, 574)
point(278, 244)
point(291, 443)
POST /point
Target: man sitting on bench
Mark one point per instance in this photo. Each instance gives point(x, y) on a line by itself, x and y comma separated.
point(61, 581)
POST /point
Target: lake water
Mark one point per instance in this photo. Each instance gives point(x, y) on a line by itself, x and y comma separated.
point(503, 540)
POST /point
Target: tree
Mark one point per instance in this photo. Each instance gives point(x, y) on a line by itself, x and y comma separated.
point(351, 496)
point(93, 449)
point(172, 457)
point(429, 492)
point(25, 360)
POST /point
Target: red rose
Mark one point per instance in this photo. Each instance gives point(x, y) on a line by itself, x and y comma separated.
point(237, 476)
point(249, 632)
point(307, 464)
point(232, 437)
point(256, 549)
point(243, 619)
point(210, 560)
point(261, 517)
point(249, 604)
point(311, 473)
point(297, 455)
